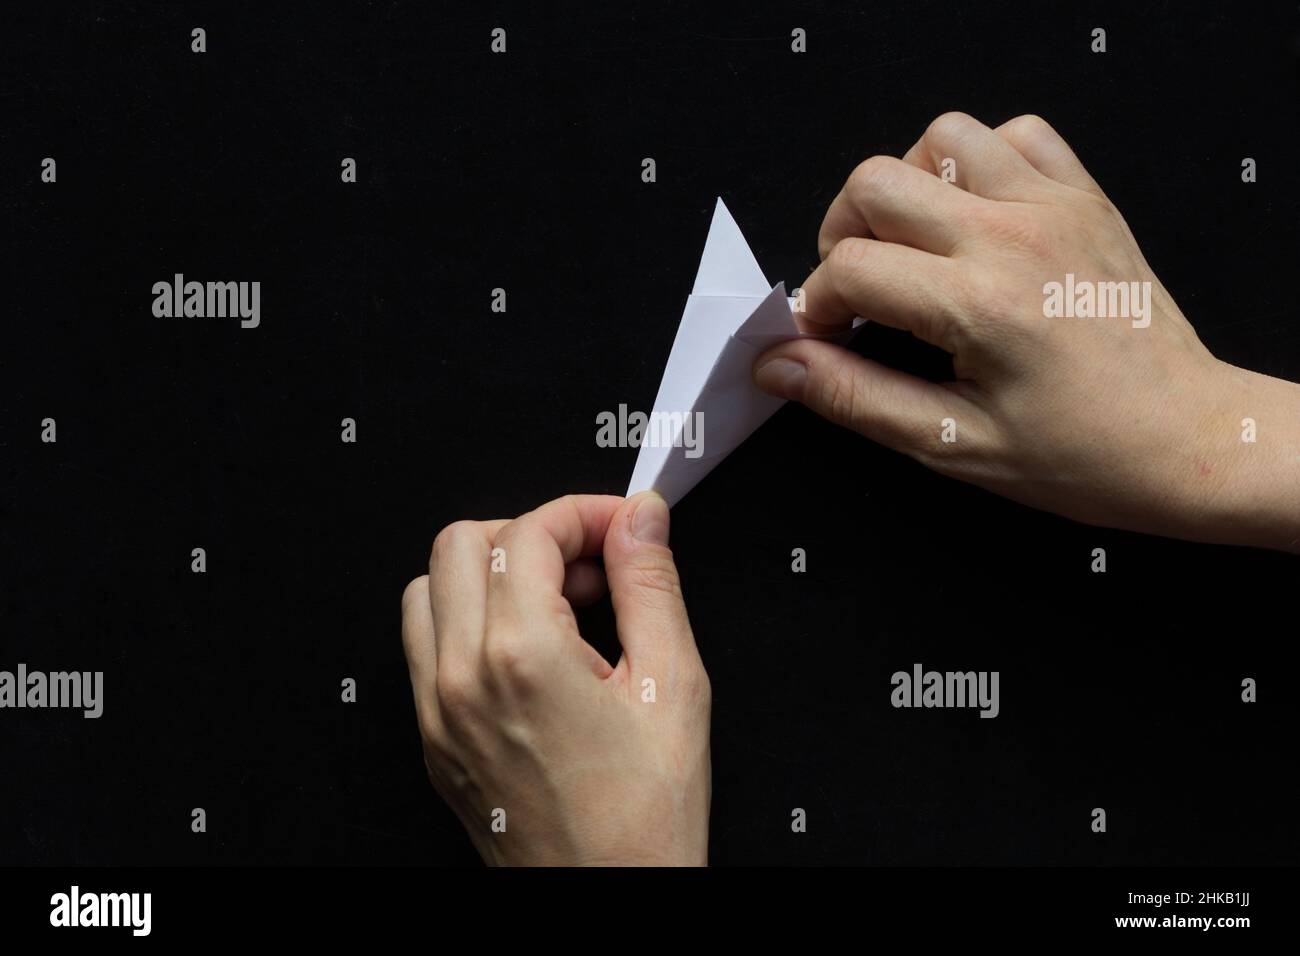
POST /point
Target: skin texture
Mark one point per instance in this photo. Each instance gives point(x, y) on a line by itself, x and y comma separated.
point(1091, 418)
point(518, 713)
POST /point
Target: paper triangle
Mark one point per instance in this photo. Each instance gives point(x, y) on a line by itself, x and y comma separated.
point(728, 266)
point(707, 402)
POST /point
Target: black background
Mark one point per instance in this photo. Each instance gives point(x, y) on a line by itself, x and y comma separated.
point(523, 171)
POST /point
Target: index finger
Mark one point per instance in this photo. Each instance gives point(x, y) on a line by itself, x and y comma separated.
point(536, 547)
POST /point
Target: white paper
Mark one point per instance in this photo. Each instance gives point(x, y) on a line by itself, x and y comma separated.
point(732, 316)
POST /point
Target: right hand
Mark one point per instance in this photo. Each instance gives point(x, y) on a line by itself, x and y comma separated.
point(1121, 421)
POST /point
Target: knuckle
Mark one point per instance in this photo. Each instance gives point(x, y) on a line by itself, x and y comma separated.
point(416, 591)
point(872, 175)
point(574, 505)
point(430, 730)
point(825, 246)
point(453, 539)
point(847, 255)
point(520, 529)
point(655, 574)
point(510, 663)
point(842, 398)
point(458, 692)
point(977, 299)
point(1030, 126)
point(948, 125)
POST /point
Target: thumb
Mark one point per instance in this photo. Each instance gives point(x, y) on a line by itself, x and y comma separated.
point(644, 587)
point(898, 410)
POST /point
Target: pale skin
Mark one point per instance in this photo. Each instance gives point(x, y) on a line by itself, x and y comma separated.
point(1091, 418)
point(525, 724)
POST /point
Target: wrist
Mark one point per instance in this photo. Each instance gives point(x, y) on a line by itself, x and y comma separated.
point(1245, 488)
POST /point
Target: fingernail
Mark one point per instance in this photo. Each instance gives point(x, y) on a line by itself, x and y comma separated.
point(782, 376)
point(650, 520)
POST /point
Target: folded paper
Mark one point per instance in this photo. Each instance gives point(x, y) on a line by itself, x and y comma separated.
point(708, 403)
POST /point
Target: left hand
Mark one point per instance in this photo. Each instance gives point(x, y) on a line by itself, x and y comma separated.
point(547, 753)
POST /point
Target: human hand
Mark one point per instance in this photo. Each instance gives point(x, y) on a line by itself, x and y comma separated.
point(1125, 421)
point(547, 754)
